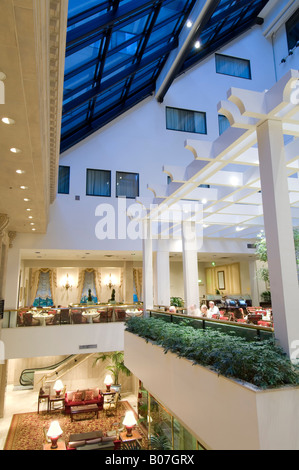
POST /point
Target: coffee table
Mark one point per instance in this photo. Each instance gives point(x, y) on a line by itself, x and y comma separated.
point(77, 410)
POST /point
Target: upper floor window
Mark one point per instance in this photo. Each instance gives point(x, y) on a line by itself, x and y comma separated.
point(64, 180)
point(292, 28)
point(233, 66)
point(127, 185)
point(186, 121)
point(98, 183)
point(223, 123)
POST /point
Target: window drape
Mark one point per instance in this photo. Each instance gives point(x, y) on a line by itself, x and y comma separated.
point(127, 185)
point(233, 66)
point(223, 123)
point(186, 121)
point(98, 183)
point(42, 287)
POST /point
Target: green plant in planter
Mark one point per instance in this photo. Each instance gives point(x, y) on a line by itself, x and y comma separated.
point(261, 363)
point(266, 296)
point(176, 302)
point(116, 364)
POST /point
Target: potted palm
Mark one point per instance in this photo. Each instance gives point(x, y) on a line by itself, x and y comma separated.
point(116, 366)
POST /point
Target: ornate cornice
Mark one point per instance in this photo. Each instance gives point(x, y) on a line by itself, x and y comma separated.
point(4, 221)
point(11, 236)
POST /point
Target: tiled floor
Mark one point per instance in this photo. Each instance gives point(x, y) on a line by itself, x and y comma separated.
point(25, 401)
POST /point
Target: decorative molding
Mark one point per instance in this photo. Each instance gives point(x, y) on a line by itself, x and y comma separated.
point(4, 221)
point(11, 236)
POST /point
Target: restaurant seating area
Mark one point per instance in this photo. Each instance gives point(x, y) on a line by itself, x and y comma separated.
point(80, 315)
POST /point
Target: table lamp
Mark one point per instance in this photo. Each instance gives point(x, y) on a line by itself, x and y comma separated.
point(54, 433)
point(129, 422)
point(108, 382)
point(58, 387)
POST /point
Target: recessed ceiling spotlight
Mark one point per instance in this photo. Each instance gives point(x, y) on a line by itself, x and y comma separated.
point(8, 121)
point(34, 229)
point(28, 210)
point(15, 150)
point(23, 187)
point(30, 217)
point(26, 199)
point(197, 45)
point(20, 172)
point(32, 223)
point(189, 24)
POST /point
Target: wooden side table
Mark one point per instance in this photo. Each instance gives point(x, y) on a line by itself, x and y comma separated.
point(136, 436)
point(52, 400)
point(60, 446)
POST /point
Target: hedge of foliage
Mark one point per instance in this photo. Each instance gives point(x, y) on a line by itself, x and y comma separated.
point(261, 363)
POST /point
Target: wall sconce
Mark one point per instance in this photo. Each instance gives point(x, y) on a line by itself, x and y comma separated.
point(110, 282)
point(67, 285)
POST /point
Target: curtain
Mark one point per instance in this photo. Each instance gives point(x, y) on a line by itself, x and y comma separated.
point(42, 286)
point(233, 66)
point(137, 275)
point(98, 183)
point(185, 120)
point(88, 279)
point(64, 180)
point(223, 123)
point(127, 185)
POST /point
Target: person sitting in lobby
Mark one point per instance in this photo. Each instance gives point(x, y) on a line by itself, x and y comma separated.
point(213, 310)
point(204, 310)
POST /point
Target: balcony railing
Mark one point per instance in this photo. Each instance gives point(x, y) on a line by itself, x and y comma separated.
point(74, 315)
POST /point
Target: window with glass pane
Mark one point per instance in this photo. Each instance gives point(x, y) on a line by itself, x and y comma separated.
point(223, 123)
point(64, 180)
point(186, 121)
point(292, 28)
point(98, 183)
point(127, 185)
point(233, 66)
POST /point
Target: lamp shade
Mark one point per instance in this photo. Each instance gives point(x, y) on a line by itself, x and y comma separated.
point(54, 433)
point(129, 420)
point(108, 380)
point(58, 386)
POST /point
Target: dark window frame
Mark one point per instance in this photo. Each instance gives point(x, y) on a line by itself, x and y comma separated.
point(69, 179)
point(110, 182)
point(127, 173)
point(290, 25)
point(236, 58)
point(203, 113)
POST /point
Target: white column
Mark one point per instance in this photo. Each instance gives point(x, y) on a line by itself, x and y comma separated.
point(12, 279)
point(148, 287)
point(279, 234)
point(129, 282)
point(253, 283)
point(163, 273)
point(190, 265)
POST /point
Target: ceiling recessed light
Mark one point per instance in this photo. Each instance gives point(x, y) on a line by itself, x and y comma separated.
point(34, 229)
point(20, 172)
point(7, 120)
point(15, 150)
point(28, 210)
point(189, 24)
point(23, 187)
point(32, 223)
point(197, 45)
point(30, 217)
point(26, 199)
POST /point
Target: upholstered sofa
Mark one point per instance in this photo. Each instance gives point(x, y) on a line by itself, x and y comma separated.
point(93, 441)
point(83, 397)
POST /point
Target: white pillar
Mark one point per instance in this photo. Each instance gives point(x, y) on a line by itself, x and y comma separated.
point(253, 283)
point(279, 234)
point(129, 282)
point(190, 265)
point(148, 285)
point(12, 279)
point(163, 273)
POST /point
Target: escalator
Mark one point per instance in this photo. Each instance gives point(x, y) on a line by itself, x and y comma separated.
point(27, 375)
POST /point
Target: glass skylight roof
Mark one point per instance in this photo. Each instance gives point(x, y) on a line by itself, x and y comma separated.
point(116, 50)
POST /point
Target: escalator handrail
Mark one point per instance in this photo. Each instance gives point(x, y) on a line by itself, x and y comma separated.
point(54, 366)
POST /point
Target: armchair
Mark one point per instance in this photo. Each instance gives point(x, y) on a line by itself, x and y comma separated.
point(29, 320)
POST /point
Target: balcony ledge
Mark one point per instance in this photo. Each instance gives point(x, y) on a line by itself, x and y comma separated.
point(223, 414)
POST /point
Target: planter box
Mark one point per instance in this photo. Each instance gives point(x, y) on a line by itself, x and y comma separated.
point(222, 414)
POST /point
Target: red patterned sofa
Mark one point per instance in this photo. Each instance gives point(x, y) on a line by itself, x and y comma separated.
point(83, 397)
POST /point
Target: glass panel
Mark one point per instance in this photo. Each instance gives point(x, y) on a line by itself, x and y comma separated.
point(127, 185)
point(98, 183)
point(64, 180)
point(161, 427)
point(233, 66)
point(183, 440)
point(186, 121)
point(223, 123)
point(292, 28)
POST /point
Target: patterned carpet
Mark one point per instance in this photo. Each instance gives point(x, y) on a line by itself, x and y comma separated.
point(27, 431)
